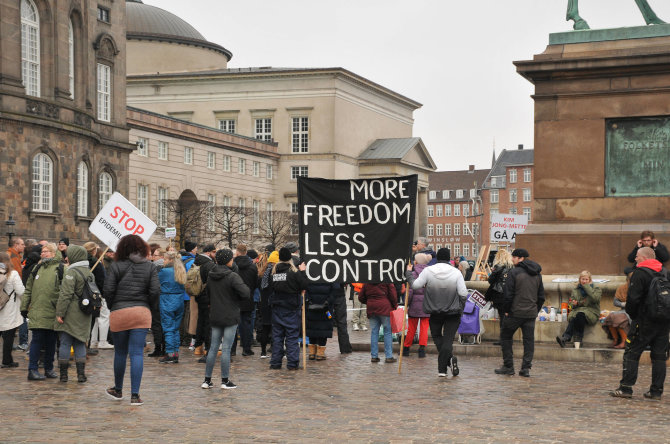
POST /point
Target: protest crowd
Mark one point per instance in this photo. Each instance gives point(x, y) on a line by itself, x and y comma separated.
point(209, 301)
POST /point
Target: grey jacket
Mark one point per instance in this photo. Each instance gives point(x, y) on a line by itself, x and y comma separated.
point(445, 290)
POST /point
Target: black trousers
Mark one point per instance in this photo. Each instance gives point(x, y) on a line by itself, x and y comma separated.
point(7, 345)
point(642, 335)
point(509, 326)
point(203, 333)
point(443, 328)
point(340, 318)
point(576, 327)
point(156, 329)
point(264, 336)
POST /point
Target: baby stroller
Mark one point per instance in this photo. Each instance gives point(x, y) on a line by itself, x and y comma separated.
point(469, 331)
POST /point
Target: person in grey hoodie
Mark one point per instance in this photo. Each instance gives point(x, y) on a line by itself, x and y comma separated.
point(522, 300)
point(443, 299)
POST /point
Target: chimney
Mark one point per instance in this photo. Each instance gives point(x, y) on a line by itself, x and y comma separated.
point(521, 146)
point(471, 169)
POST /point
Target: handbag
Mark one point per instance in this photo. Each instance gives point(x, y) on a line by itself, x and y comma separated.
point(4, 298)
point(397, 320)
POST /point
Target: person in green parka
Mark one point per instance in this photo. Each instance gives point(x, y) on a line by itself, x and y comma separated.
point(73, 325)
point(585, 303)
point(39, 306)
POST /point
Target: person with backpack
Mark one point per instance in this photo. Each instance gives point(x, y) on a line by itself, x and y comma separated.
point(12, 289)
point(39, 305)
point(172, 277)
point(72, 323)
point(226, 291)
point(648, 305)
point(585, 302)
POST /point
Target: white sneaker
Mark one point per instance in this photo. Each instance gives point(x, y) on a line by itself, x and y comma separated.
point(442, 375)
point(355, 327)
point(94, 344)
point(104, 345)
point(364, 328)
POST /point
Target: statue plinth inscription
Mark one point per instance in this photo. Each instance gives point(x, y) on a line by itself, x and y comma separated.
point(637, 157)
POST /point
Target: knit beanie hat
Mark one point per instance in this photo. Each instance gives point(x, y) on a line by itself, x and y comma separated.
point(223, 256)
point(284, 254)
point(274, 257)
point(292, 247)
point(189, 246)
point(252, 254)
point(65, 240)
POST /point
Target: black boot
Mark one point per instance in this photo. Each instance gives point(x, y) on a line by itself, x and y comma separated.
point(63, 365)
point(422, 351)
point(81, 375)
point(405, 351)
point(159, 350)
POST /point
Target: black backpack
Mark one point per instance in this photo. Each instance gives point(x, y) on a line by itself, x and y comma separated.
point(90, 299)
point(657, 304)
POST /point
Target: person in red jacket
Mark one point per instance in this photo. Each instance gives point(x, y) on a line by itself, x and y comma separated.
point(381, 299)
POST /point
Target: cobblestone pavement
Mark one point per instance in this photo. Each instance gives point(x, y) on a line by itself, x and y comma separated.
point(343, 399)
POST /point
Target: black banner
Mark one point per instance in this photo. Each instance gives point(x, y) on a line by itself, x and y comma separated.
point(357, 230)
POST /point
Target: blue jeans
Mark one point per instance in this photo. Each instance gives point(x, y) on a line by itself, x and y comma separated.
point(285, 330)
point(375, 322)
point(219, 333)
point(172, 312)
point(47, 339)
point(129, 342)
point(67, 341)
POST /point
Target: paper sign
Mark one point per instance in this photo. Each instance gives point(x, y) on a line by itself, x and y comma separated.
point(170, 233)
point(119, 218)
point(505, 227)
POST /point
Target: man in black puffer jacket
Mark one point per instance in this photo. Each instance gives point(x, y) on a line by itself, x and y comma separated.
point(249, 274)
point(523, 298)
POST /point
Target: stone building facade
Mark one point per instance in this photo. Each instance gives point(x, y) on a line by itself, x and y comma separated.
point(63, 136)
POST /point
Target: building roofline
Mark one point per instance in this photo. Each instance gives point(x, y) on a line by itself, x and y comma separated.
point(147, 36)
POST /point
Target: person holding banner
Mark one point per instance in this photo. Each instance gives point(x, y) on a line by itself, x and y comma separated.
point(319, 299)
point(381, 300)
point(131, 290)
point(288, 282)
point(443, 299)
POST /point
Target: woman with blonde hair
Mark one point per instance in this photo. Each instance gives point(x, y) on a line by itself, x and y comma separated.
point(585, 303)
point(502, 264)
point(172, 278)
point(10, 315)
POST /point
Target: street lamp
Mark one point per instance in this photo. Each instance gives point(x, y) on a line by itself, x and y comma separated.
point(10, 229)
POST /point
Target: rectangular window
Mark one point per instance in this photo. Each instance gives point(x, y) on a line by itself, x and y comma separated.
point(445, 194)
point(188, 155)
point(142, 146)
point(103, 14)
point(447, 210)
point(257, 169)
point(475, 231)
point(494, 196)
point(30, 54)
point(438, 230)
point(256, 216)
point(447, 229)
point(161, 214)
point(82, 189)
point(268, 172)
point(457, 249)
point(211, 205)
point(104, 92)
point(163, 150)
point(512, 195)
point(512, 176)
point(466, 250)
point(466, 210)
point(526, 212)
point(300, 134)
point(473, 193)
point(294, 208)
point(297, 171)
point(263, 129)
point(432, 194)
point(457, 210)
point(459, 194)
point(430, 211)
point(512, 210)
point(430, 230)
point(242, 166)
point(526, 175)
point(438, 210)
point(526, 194)
point(226, 201)
point(457, 229)
point(211, 160)
point(241, 203)
point(142, 198)
point(227, 125)
point(494, 182)
point(475, 249)
point(226, 163)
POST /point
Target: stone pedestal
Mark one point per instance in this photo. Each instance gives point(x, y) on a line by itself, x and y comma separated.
point(586, 82)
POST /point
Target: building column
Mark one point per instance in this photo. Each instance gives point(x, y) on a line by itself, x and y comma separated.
point(421, 217)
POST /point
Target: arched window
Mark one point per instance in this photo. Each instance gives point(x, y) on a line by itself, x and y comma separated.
point(70, 44)
point(30, 47)
point(42, 183)
point(104, 189)
point(82, 189)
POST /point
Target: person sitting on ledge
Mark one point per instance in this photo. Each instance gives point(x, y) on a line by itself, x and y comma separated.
point(617, 323)
point(585, 303)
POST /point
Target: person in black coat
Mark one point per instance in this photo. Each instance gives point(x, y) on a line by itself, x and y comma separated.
point(206, 262)
point(319, 321)
point(249, 274)
point(265, 284)
point(226, 291)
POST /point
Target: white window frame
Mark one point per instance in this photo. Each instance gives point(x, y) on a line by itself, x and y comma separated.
point(513, 195)
point(211, 160)
point(299, 171)
point(445, 194)
point(161, 207)
point(226, 201)
point(447, 210)
point(242, 166)
point(438, 210)
point(512, 175)
point(495, 196)
point(457, 210)
point(103, 14)
point(227, 125)
point(256, 208)
point(526, 175)
point(429, 230)
point(256, 168)
point(527, 212)
point(466, 210)
point(294, 207)
point(163, 150)
point(242, 204)
point(104, 89)
point(300, 134)
point(457, 250)
point(188, 155)
point(82, 189)
point(42, 183)
point(432, 194)
point(226, 163)
point(459, 194)
point(143, 198)
point(30, 48)
point(466, 250)
point(211, 205)
point(438, 229)
point(263, 128)
point(457, 229)
point(105, 188)
point(473, 193)
point(142, 145)
point(268, 172)
point(512, 210)
point(70, 46)
point(526, 195)
point(430, 211)
point(447, 229)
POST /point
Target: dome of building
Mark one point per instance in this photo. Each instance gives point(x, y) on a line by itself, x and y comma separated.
point(146, 23)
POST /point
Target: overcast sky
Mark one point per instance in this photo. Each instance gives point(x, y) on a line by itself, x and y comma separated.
point(454, 57)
